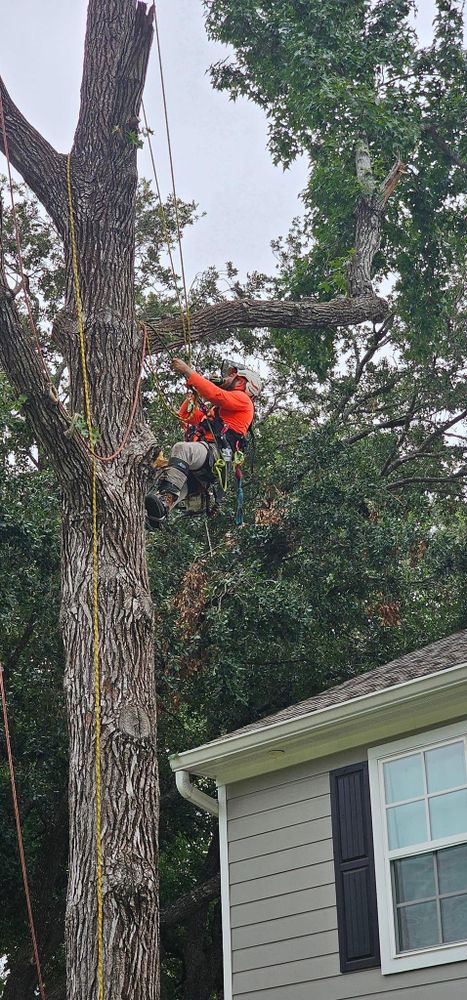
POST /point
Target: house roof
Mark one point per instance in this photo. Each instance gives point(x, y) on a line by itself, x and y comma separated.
point(417, 691)
point(429, 660)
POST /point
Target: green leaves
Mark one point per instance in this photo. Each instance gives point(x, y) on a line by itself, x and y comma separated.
point(325, 73)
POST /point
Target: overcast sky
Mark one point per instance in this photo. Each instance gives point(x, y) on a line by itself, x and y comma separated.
point(221, 159)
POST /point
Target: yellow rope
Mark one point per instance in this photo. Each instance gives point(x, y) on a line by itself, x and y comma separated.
point(95, 583)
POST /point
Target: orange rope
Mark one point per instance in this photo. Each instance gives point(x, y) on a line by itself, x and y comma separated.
point(20, 838)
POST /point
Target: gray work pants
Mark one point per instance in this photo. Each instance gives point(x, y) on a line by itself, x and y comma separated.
point(194, 453)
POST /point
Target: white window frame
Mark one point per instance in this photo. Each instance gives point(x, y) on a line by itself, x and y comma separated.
point(391, 960)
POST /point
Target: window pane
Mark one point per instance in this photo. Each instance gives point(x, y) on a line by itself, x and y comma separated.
point(445, 767)
point(448, 814)
point(414, 878)
point(418, 926)
point(403, 778)
point(454, 918)
point(407, 825)
point(452, 869)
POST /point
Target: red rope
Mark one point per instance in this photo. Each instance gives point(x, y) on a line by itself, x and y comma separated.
point(20, 838)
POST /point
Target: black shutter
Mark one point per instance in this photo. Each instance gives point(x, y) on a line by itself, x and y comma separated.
point(357, 917)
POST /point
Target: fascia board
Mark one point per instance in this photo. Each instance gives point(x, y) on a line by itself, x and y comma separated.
point(336, 727)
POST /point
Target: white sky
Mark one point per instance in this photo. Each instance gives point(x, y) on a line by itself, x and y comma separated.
point(221, 160)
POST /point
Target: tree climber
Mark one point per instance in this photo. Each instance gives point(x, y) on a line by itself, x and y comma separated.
point(211, 433)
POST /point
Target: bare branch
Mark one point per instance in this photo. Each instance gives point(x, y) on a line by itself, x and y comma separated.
point(392, 180)
point(441, 143)
point(428, 480)
point(277, 314)
point(385, 425)
point(370, 212)
point(117, 46)
point(422, 450)
point(20, 359)
point(378, 339)
point(183, 908)
point(35, 159)
point(401, 437)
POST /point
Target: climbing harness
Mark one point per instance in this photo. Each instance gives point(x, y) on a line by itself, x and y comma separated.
point(95, 588)
point(19, 835)
point(238, 463)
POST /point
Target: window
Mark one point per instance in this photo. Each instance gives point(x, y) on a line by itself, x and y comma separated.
point(419, 805)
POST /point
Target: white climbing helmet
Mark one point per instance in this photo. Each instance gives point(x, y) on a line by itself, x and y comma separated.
point(253, 382)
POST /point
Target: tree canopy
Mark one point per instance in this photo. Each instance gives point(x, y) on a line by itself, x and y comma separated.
point(354, 545)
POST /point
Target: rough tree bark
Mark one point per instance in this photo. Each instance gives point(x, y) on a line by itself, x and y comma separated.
point(118, 41)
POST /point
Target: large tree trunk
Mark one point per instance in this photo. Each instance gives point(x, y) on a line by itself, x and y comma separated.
point(104, 178)
point(104, 190)
point(128, 751)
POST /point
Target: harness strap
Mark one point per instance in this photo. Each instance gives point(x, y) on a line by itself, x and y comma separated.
point(178, 463)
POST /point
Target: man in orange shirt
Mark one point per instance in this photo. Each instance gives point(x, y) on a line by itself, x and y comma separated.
point(221, 427)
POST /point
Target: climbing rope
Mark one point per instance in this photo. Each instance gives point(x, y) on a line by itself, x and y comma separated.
point(152, 371)
point(184, 310)
point(172, 172)
point(19, 835)
point(95, 587)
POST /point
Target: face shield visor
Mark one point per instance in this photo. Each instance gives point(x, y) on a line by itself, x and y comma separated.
point(229, 367)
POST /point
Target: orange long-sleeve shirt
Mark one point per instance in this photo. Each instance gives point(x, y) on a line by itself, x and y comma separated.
point(235, 406)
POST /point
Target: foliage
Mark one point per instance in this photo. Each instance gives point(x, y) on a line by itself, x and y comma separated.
point(354, 547)
point(325, 74)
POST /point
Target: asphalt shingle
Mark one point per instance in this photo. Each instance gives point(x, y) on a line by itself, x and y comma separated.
point(438, 656)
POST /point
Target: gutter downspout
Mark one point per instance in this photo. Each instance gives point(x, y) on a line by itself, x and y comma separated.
point(192, 793)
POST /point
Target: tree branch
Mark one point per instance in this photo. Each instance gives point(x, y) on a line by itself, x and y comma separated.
point(414, 480)
point(370, 212)
point(377, 340)
point(385, 425)
point(35, 159)
point(20, 359)
point(421, 451)
point(445, 148)
point(403, 435)
point(258, 313)
point(118, 41)
point(179, 911)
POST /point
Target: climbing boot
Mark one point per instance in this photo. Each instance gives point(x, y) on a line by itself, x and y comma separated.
point(157, 510)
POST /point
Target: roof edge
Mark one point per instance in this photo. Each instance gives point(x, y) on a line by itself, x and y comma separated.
point(227, 748)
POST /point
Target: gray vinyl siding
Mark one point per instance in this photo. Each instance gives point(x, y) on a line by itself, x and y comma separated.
point(282, 898)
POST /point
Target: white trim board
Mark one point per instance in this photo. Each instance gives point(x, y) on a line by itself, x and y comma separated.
point(416, 704)
point(225, 891)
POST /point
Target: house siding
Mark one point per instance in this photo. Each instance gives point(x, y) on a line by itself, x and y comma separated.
point(283, 916)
